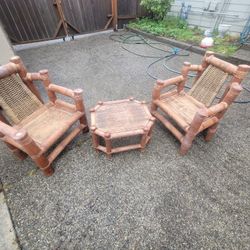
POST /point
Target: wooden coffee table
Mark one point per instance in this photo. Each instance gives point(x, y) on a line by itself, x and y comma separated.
point(119, 119)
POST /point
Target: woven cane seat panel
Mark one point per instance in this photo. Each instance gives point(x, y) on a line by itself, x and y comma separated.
point(16, 99)
point(182, 106)
point(47, 123)
point(122, 117)
point(208, 85)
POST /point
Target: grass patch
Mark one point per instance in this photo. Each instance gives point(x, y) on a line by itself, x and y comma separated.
point(173, 27)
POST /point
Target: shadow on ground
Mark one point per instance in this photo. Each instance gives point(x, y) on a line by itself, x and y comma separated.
point(154, 199)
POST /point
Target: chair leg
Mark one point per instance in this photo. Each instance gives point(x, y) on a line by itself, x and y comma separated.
point(153, 107)
point(31, 148)
point(192, 131)
point(83, 121)
point(17, 152)
point(95, 138)
point(80, 107)
point(186, 143)
point(211, 132)
point(108, 145)
point(44, 165)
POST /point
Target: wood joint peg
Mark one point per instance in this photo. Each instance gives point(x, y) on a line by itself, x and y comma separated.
point(107, 135)
point(152, 119)
point(44, 73)
point(187, 64)
point(93, 128)
point(78, 93)
point(20, 135)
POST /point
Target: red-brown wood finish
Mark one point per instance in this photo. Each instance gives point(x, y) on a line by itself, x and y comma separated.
point(35, 134)
point(191, 116)
point(119, 119)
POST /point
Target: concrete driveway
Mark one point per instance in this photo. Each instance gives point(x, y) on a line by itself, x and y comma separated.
point(154, 199)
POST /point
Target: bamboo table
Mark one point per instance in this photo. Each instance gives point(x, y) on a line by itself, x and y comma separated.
point(120, 119)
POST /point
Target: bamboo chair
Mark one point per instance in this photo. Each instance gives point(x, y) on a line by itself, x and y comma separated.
point(192, 112)
point(30, 127)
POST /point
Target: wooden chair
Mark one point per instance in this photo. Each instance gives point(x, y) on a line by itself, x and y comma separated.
point(192, 112)
point(30, 127)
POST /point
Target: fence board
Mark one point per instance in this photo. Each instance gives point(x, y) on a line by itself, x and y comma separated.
point(29, 20)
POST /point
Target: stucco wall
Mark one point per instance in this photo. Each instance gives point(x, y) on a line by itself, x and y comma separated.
point(5, 48)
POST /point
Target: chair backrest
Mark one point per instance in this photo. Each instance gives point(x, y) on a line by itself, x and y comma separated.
point(208, 85)
point(16, 99)
point(212, 75)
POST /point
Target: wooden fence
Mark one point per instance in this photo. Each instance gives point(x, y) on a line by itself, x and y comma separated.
point(32, 20)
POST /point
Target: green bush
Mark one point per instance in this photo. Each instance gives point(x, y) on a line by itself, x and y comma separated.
point(174, 27)
point(157, 8)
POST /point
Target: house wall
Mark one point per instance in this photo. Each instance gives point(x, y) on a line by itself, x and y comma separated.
point(236, 13)
point(6, 51)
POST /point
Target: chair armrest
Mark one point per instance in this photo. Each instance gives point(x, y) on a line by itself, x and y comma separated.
point(217, 108)
point(76, 95)
point(179, 81)
point(43, 76)
point(52, 89)
point(161, 84)
point(196, 68)
point(172, 81)
point(35, 76)
point(61, 90)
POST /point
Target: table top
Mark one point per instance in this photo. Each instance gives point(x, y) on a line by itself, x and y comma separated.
point(121, 116)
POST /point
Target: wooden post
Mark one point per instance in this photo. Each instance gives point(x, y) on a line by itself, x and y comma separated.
point(34, 152)
point(184, 73)
point(95, 139)
point(156, 95)
point(238, 76)
point(114, 14)
point(80, 107)
point(62, 20)
point(144, 138)
point(151, 124)
point(147, 132)
point(230, 96)
point(193, 130)
point(241, 73)
point(108, 143)
point(46, 81)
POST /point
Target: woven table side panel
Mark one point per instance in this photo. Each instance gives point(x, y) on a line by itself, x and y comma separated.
point(208, 85)
point(16, 99)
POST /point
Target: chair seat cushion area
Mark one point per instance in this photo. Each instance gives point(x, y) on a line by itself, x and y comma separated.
point(48, 124)
point(180, 107)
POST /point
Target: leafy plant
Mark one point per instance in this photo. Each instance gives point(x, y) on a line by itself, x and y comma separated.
point(174, 27)
point(157, 8)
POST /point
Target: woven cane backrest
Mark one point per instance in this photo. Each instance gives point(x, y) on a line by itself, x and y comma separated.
point(16, 99)
point(208, 85)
